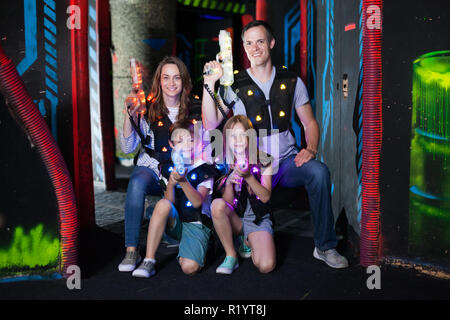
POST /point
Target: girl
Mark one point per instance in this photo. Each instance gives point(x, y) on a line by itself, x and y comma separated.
point(243, 208)
point(169, 100)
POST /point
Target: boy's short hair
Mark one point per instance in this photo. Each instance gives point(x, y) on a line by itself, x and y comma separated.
point(182, 124)
point(256, 23)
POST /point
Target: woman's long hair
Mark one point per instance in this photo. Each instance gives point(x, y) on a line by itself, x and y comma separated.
point(157, 108)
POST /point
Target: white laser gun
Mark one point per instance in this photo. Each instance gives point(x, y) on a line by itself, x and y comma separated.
point(225, 58)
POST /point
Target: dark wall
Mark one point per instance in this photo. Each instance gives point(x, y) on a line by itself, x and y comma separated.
point(410, 29)
point(48, 75)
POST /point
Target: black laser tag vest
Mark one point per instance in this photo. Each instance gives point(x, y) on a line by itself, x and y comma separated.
point(260, 209)
point(188, 213)
point(278, 116)
point(160, 128)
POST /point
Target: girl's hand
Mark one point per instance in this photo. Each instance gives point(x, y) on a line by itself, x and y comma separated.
point(242, 171)
point(235, 178)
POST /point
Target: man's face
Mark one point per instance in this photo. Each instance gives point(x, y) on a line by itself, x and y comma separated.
point(257, 46)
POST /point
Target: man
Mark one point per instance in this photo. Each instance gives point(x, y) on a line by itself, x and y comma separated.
point(263, 92)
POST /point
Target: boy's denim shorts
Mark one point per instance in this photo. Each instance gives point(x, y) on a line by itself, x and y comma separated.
point(193, 237)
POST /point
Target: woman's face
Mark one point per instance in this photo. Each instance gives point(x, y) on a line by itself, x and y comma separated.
point(237, 139)
point(171, 83)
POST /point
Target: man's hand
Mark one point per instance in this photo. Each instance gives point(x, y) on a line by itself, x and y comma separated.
point(216, 74)
point(304, 156)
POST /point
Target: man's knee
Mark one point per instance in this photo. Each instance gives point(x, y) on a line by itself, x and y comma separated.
point(319, 171)
point(189, 266)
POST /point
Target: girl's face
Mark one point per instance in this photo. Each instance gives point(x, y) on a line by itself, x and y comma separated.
point(171, 83)
point(237, 139)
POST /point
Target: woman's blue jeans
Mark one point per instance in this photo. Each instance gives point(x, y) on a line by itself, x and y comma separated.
point(315, 177)
point(143, 182)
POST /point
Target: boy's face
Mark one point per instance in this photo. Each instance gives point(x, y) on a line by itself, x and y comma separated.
point(182, 140)
point(257, 45)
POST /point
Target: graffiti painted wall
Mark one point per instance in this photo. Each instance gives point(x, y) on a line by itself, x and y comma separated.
point(415, 176)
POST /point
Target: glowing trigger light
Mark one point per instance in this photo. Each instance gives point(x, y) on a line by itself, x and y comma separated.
point(160, 124)
point(194, 121)
point(282, 113)
point(255, 170)
point(170, 169)
point(249, 92)
point(258, 118)
point(283, 86)
point(188, 204)
point(193, 176)
point(164, 149)
point(236, 71)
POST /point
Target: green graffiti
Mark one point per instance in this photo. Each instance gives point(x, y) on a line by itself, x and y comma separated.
point(35, 249)
point(429, 222)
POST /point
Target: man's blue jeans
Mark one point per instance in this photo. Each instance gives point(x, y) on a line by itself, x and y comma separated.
point(143, 182)
point(315, 177)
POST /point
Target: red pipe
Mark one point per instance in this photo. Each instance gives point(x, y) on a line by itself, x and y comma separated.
point(303, 40)
point(245, 63)
point(83, 177)
point(13, 89)
point(372, 133)
point(261, 10)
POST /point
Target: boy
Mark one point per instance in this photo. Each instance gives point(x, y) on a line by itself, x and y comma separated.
point(184, 212)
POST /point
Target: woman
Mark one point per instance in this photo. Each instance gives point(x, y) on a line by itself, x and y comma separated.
point(169, 101)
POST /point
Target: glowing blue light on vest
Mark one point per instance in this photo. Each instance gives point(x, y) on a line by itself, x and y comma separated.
point(170, 169)
point(193, 176)
point(188, 204)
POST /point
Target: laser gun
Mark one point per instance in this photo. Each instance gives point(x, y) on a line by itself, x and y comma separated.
point(243, 165)
point(136, 78)
point(178, 161)
point(225, 58)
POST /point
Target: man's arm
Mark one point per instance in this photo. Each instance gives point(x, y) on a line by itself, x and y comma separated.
point(311, 127)
point(211, 117)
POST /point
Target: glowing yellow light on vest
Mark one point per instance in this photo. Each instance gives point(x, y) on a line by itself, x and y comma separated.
point(250, 92)
point(160, 123)
point(258, 118)
point(283, 86)
point(282, 113)
point(164, 149)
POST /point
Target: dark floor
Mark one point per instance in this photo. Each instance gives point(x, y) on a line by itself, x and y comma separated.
point(298, 275)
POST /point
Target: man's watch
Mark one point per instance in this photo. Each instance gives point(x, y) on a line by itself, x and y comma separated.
point(314, 153)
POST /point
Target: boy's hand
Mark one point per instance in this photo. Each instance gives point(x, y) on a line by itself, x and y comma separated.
point(176, 177)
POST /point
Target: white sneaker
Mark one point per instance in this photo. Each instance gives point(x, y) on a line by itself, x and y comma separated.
point(331, 257)
point(145, 270)
point(131, 260)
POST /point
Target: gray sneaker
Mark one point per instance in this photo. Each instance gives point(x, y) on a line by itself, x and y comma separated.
point(131, 260)
point(331, 258)
point(145, 270)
